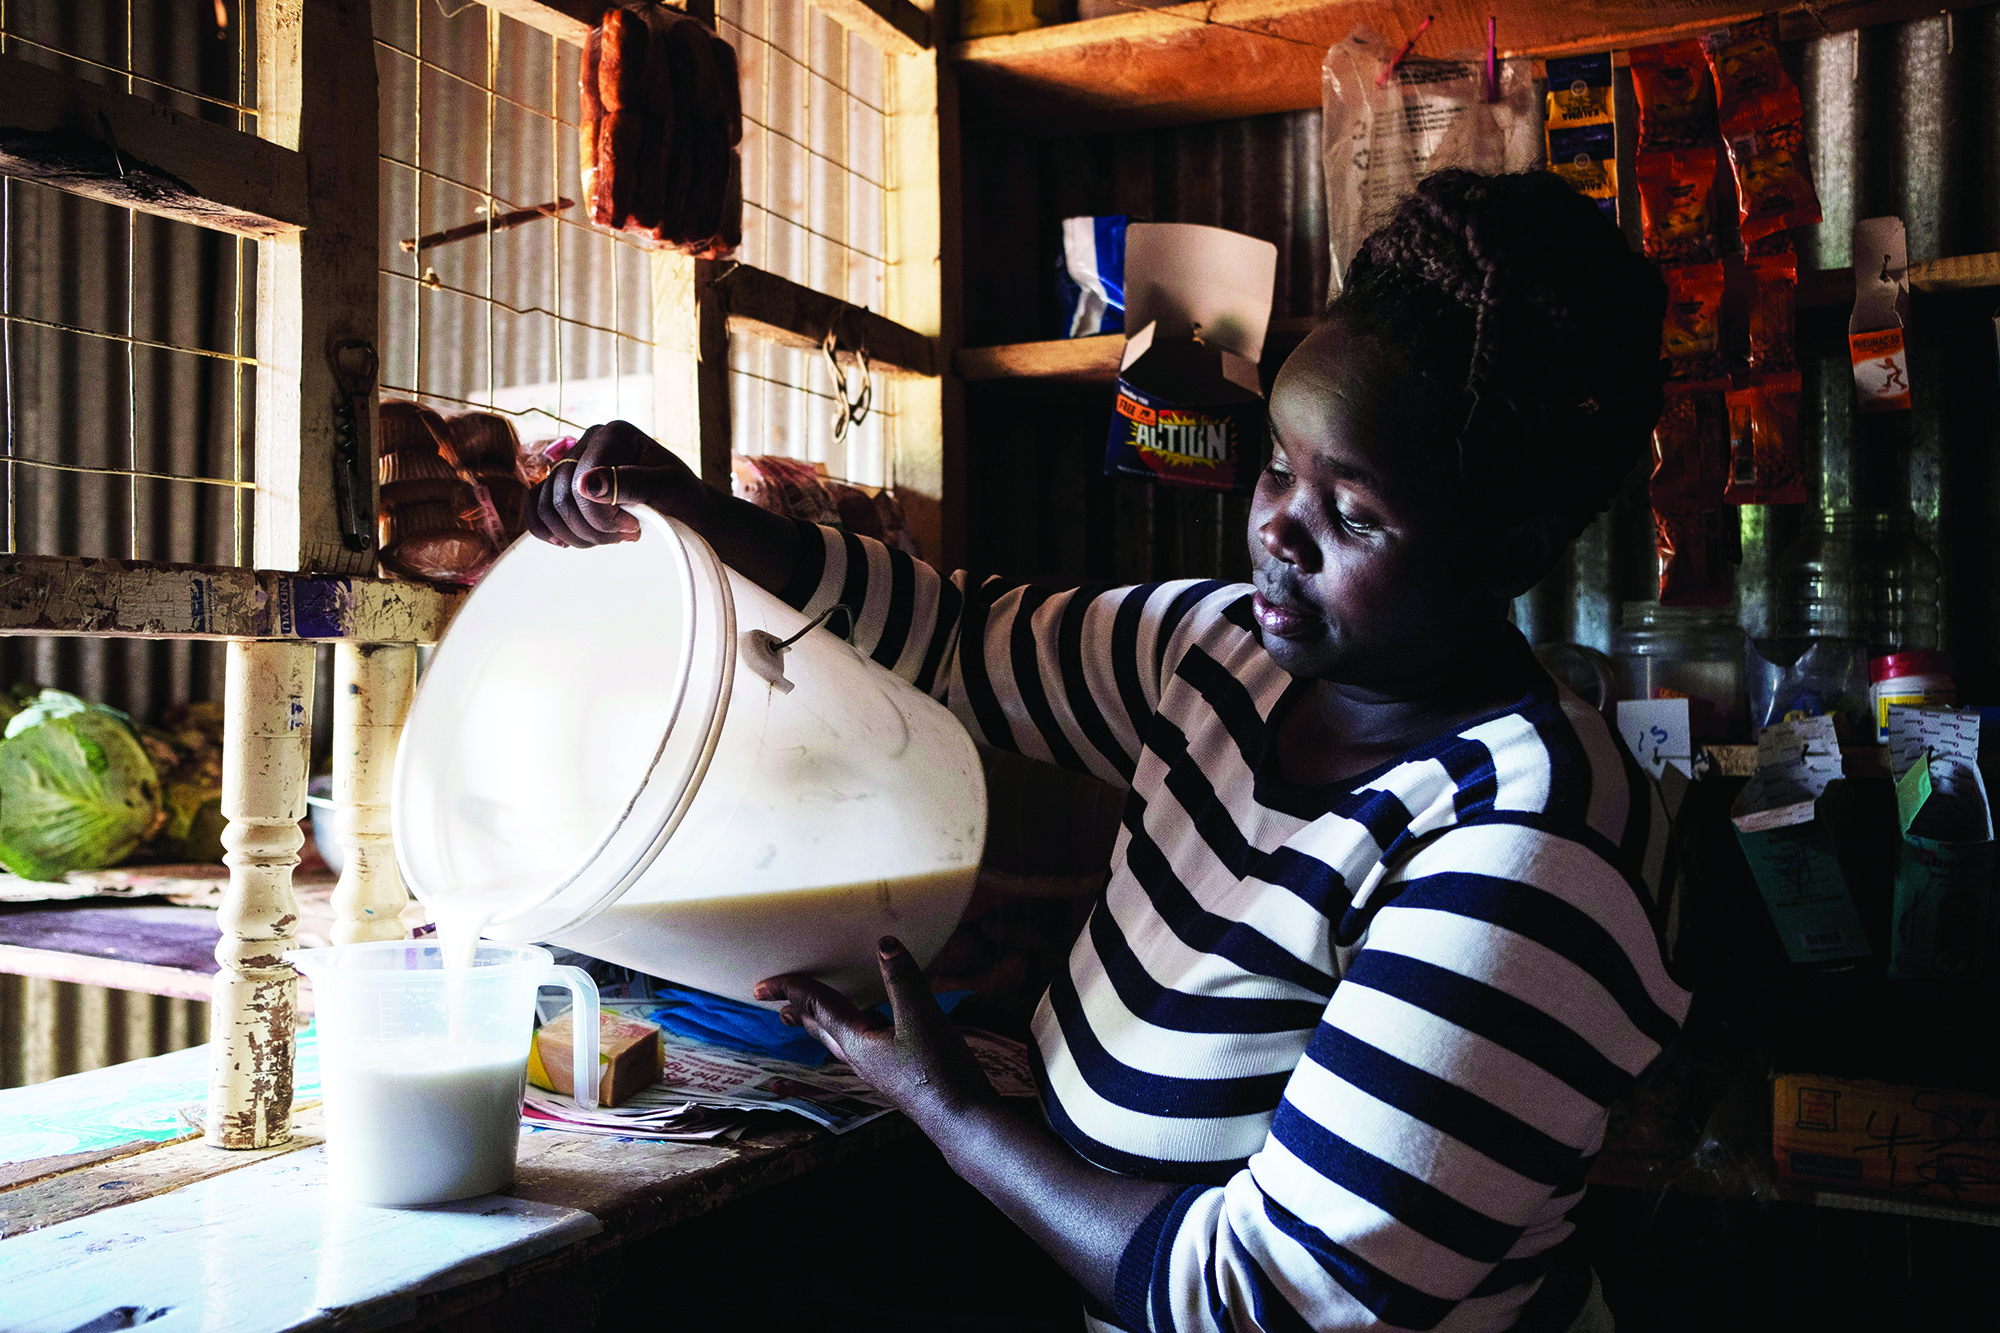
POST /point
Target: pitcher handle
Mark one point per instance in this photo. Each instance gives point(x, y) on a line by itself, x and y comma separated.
point(583, 1029)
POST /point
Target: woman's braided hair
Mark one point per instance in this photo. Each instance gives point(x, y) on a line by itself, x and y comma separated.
point(1534, 332)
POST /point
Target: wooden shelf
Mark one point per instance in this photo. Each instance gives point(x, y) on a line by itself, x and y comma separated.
point(1740, 761)
point(1091, 360)
point(45, 594)
point(1213, 61)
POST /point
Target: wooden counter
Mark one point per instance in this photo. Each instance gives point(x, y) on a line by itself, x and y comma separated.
point(179, 1234)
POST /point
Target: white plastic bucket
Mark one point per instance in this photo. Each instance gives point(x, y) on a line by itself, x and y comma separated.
point(607, 751)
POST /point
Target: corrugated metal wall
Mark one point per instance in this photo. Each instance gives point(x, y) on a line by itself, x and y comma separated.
point(1903, 119)
point(73, 399)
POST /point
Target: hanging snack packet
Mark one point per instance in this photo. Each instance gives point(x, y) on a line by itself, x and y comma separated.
point(1692, 534)
point(1751, 86)
point(1677, 206)
point(1690, 446)
point(1582, 137)
point(1764, 464)
point(1587, 157)
point(1772, 318)
point(1692, 338)
point(1697, 543)
point(1774, 189)
point(1671, 84)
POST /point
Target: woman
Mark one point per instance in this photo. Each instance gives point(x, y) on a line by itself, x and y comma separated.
point(1389, 926)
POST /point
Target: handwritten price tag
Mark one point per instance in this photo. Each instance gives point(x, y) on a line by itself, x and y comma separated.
point(1658, 734)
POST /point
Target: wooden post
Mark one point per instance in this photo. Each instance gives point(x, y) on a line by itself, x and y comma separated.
point(691, 362)
point(267, 744)
point(927, 451)
point(372, 687)
point(316, 94)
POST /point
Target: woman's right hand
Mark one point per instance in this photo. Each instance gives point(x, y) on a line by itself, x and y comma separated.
point(614, 464)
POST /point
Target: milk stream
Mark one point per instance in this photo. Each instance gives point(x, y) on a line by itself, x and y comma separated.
point(423, 1120)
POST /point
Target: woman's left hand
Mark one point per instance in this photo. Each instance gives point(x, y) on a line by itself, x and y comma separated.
point(920, 1062)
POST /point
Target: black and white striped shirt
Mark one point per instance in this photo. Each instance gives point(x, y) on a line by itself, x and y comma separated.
point(1375, 1027)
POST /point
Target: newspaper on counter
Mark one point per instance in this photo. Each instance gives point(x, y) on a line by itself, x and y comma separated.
point(706, 1091)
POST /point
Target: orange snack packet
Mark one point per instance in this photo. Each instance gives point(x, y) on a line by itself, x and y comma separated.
point(1751, 86)
point(1770, 328)
point(1677, 205)
point(1671, 84)
point(1774, 189)
point(1692, 338)
point(1764, 463)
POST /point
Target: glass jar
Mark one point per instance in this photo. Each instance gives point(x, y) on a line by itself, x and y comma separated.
point(1859, 574)
point(1686, 652)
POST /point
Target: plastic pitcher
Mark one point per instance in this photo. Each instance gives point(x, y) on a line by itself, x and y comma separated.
point(636, 753)
point(423, 1068)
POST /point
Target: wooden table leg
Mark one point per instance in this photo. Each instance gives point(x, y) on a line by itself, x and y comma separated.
point(372, 686)
point(267, 743)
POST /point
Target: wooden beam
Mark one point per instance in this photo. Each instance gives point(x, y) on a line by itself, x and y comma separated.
point(565, 20)
point(1091, 360)
point(315, 289)
point(1221, 59)
point(765, 305)
point(73, 595)
point(893, 27)
point(111, 973)
point(132, 152)
point(1835, 286)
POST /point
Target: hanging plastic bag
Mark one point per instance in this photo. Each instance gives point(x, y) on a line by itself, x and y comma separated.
point(1378, 141)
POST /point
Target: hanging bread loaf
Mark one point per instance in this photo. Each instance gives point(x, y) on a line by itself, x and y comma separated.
point(424, 530)
point(453, 491)
point(661, 111)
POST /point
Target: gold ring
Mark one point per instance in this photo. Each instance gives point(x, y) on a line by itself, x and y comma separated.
point(614, 487)
point(567, 458)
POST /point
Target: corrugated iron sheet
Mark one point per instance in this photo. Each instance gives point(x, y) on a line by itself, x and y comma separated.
point(52, 1028)
point(1902, 119)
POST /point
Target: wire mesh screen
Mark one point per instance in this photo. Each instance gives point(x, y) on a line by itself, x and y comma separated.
point(815, 209)
point(125, 339)
point(548, 320)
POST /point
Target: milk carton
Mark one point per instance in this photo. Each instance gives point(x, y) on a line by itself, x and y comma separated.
point(1790, 846)
point(1944, 914)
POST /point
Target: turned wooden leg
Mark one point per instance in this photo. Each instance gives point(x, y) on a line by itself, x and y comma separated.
point(372, 686)
point(267, 744)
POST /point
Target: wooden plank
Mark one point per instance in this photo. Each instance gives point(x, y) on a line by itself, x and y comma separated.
point(1212, 61)
point(1835, 286)
point(1092, 360)
point(893, 27)
point(131, 599)
point(158, 1169)
point(926, 453)
point(565, 20)
point(132, 152)
point(764, 305)
point(316, 94)
point(114, 974)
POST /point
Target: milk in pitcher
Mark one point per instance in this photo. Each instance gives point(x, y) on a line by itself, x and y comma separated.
point(424, 1120)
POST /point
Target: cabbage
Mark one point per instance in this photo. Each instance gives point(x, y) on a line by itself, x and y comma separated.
point(77, 791)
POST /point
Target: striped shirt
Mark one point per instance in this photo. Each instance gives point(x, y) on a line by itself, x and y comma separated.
point(1374, 1027)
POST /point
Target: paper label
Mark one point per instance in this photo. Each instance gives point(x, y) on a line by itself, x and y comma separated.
point(1881, 370)
point(1799, 876)
point(1657, 733)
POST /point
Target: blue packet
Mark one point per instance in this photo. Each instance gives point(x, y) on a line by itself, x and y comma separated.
point(700, 1016)
point(1090, 277)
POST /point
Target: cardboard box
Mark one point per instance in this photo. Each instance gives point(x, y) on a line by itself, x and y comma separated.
point(1188, 414)
point(1944, 919)
point(1862, 1137)
point(1790, 847)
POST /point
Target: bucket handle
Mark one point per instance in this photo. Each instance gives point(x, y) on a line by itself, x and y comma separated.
point(763, 652)
point(583, 1030)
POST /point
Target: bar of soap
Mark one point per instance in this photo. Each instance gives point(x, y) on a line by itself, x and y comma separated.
point(629, 1057)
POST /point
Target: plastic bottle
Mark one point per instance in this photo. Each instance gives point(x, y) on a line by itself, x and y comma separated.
point(1918, 679)
point(1859, 574)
